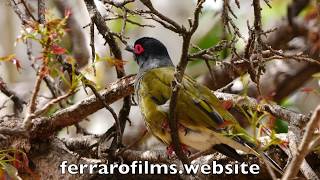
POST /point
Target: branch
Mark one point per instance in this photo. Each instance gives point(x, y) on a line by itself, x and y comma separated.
point(18, 102)
point(227, 20)
point(98, 20)
point(46, 107)
point(33, 101)
point(294, 138)
point(22, 16)
point(25, 18)
point(28, 10)
point(294, 118)
point(164, 20)
point(271, 82)
point(211, 53)
point(46, 126)
point(304, 148)
point(226, 73)
point(178, 75)
point(41, 11)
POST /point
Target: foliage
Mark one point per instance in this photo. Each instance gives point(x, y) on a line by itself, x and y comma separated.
point(12, 161)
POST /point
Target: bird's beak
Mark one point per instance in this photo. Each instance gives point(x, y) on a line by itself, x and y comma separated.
point(129, 48)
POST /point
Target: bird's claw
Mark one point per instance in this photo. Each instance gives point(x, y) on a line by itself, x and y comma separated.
point(165, 126)
point(170, 150)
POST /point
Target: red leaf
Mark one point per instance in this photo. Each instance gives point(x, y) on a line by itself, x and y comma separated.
point(58, 50)
point(17, 160)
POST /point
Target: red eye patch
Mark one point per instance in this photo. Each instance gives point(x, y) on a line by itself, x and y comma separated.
point(138, 49)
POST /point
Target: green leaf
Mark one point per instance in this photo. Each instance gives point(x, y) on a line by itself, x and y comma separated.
point(212, 37)
point(281, 126)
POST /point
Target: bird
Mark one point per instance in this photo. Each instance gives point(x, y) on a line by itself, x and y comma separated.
point(203, 122)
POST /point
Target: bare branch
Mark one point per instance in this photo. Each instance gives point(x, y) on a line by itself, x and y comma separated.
point(303, 149)
point(93, 49)
point(41, 11)
point(28, 10)
point(42, 127)
point(164, 19)
point(46, 107)
point(18, 102)
point(178, 75)
point(305, 167)
point(294, 118)
point(32, 105)
point(19, 13)
point(98, 20)
point(36, 89)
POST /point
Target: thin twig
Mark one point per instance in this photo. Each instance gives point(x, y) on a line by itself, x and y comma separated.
point(22, 16)
point(178, 76)
point(164, 20)
point(98, 20)
point(18, 102)
point(93, 49)
point(33, 101)
point(28, 10)
point(46, 107)
point(41, 11)
point(36, 89)
point(305, 168)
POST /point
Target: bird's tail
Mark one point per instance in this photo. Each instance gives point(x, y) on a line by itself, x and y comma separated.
point(266, 158)
point(252, 146)
point(247, 147)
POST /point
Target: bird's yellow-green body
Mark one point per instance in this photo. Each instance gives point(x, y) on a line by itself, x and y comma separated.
point(197, 111)
point(202, 120)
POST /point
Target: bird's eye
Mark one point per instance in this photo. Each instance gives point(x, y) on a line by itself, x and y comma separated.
point(138, 49)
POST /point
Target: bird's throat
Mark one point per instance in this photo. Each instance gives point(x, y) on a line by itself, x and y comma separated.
point(152, 63)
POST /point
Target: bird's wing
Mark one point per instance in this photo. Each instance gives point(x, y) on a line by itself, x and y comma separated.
point(197, 106)
point(190, 103)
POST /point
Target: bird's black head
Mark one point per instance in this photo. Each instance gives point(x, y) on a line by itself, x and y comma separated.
point(150, 53)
